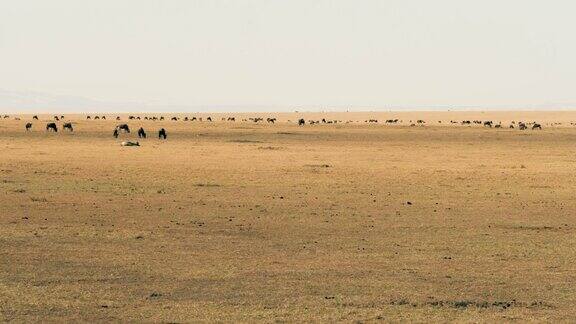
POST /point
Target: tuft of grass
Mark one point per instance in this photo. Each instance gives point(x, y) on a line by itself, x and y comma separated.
point(207, 185)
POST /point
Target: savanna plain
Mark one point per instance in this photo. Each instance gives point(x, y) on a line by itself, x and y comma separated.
point(243, 221)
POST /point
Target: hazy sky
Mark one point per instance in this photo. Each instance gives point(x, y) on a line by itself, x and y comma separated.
point(370, 54)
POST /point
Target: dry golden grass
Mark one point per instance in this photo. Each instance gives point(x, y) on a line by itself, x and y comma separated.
point(255, 222)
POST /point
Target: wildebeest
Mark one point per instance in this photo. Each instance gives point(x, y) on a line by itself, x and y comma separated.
point(115, 134)
point(28, 126)
point(141, 133)
point(35, 117)
point(96, 117)
point(117, 117)
point(209, 119)
point(536, 126)
point(68, 126)
point(51, 127)
point(123, 127)
point(87, 117)
point(301, 122)
point(162, 133)
point(488, 123)
point(56, 118)
point(128, 143)
point(522, 126)
point(271, 120)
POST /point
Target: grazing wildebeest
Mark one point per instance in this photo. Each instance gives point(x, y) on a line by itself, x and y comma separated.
point(536, 126)
point(123, 127)
point(420, 121)
point(162, 133)
point(115, 134)
point(231, 118)
point(511, 126)
point(28, 126)
point(87, 117)
point(271, 120)
point(488, 123)
point(498, 126)
point(209, 119)
point(51, 127)
point(174, 118)
point(117, 117)
point(103, 117)
point(193, 118)
point(301, 122)
point(56, 118)
point(68, 126)
point(141, 133)
point(522, 126)
point(128, 143)
point(96, 117)
point(35, 117)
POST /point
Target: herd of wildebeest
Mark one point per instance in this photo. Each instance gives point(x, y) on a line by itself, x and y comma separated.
point(162, 134)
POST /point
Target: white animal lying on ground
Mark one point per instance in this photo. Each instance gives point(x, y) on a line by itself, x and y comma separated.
point(127, 143)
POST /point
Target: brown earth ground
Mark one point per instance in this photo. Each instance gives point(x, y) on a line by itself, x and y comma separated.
point(237, 221)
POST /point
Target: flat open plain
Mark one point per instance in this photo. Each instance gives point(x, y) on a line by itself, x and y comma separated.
point(238, 221)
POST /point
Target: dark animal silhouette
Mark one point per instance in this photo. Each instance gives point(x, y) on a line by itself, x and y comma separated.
point(115, 134)
point(68, 126)
point(51, 127)
point(301, 122)
point(56, 118)
point(209, 119)
point(35, 117)
point(141, 133)
point(162, 133)
point(28, 126)
point(488, 123)
point(537, 126)
point(123, 127)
